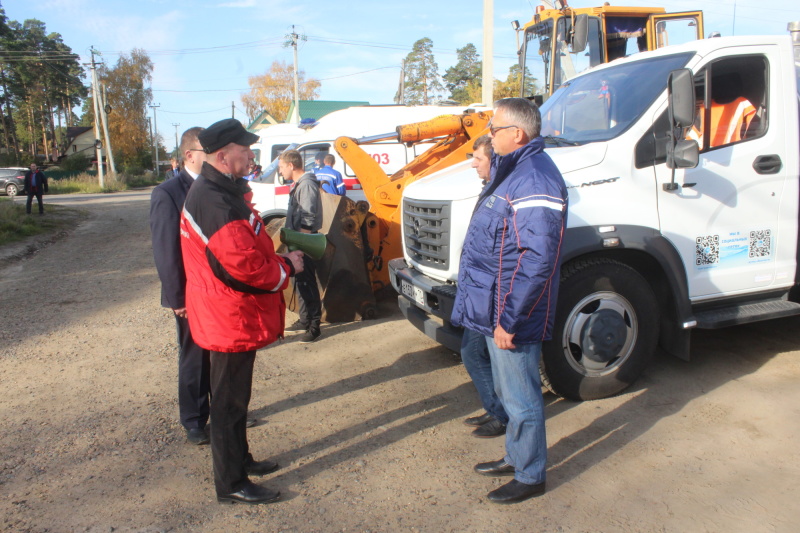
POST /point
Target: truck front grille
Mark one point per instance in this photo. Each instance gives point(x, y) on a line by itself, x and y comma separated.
point(426, 226)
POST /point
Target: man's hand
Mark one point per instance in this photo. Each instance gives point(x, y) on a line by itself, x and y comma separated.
point(503, 339)
point(296, 259)
point(180, 312)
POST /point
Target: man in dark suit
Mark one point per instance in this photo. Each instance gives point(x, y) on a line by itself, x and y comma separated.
point(35, 184)
point(166, 204)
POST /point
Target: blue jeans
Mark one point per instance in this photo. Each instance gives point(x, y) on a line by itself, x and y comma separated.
point(519, 387)
point(475, 356)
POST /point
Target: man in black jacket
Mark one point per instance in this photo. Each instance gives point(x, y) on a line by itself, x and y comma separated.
point(304, 214)
point(166, 204)
point(35, 183)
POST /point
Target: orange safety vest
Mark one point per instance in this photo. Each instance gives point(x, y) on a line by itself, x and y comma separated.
point(728, 122)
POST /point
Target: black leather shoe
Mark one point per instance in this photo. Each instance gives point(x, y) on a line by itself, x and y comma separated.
point(516, 491)
point(495, 468)
point(252, 494)
point(492, 428)
point(478, 420)
point(197, 436)
point(260, 468)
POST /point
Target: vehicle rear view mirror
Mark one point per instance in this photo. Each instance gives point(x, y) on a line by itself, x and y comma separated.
point(580, 34)
point(686, 154)
point(681, 153)
point(680, 86)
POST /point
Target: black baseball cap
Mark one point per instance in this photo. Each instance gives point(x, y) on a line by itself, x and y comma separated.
point(222, 133)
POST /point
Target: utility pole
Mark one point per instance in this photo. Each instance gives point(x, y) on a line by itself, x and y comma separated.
point(400, 97)
point(293, 38)
point(232, 108)
point(150, 127)
point(155, 134)
point(98, 144)
point(487, 79)
point(177, 155)
point(109, 153)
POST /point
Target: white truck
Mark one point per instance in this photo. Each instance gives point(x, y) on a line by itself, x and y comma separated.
point(271, 196)
point(665, 234)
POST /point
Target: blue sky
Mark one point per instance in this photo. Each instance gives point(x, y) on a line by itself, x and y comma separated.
point(204, 50)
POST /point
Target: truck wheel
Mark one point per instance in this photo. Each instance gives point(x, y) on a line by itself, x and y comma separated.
point(605, 331)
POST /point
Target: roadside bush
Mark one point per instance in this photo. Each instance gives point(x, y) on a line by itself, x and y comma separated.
point(86, 183)
point(132, 170)
point(76, 162)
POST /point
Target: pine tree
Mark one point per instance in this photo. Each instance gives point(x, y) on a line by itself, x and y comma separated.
point(467, 68)
point(423, 84)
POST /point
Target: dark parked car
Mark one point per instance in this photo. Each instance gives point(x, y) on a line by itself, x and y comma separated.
point(12, 180)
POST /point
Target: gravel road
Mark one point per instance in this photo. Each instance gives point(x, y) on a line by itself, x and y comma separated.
point(366, 423)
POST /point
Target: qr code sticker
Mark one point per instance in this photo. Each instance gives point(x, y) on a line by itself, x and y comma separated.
point(760, 243)
point(707, 250)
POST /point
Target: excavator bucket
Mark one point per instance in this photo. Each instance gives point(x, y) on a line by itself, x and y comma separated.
point(342, 275)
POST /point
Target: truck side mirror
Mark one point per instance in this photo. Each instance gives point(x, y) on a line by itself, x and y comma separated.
point(681, 152)
point(680, 86)
point(685, 154)
point(580, 34)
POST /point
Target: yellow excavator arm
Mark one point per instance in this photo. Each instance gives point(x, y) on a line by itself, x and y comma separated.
point(454, 134)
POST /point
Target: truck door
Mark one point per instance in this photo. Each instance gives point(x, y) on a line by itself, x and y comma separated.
point(734, 217)
point(674, 28)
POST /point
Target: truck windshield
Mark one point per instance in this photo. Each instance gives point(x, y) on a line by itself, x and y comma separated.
point(602, 104)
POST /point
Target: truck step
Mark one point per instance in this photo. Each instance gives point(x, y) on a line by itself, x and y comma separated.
point(745, 313)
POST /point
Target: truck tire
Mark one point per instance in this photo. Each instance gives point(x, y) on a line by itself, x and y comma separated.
point(605, 331)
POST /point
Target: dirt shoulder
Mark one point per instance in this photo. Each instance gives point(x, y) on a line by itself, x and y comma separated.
point(366, 423)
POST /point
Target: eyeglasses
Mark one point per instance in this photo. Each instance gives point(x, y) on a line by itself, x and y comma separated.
point(494, 129)
point(195, 150)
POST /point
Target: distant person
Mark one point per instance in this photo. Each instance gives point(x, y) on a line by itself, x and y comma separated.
point(234, 299)
point(35, 184)
point(508, 286)
point(255, 172)
point(330, 179)
point(175, 170)
point(166, 204)
point(319, 160)
point(474, 350)
point(304, 214)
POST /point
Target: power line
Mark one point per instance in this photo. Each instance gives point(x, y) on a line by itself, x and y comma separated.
point(251, 44)
point(356, 73)
point(250, 88)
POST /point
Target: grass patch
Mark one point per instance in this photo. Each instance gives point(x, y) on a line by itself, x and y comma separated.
point(16, 225)
point(86, 183)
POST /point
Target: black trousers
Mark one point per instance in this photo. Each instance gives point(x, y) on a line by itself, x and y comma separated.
point(308, 299)
point(31, 194)
point(194, 378)
point(231, 382)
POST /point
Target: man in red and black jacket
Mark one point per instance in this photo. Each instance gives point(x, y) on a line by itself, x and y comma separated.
point(234, 284)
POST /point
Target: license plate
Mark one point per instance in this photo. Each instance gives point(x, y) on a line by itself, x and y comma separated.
point(415, 293)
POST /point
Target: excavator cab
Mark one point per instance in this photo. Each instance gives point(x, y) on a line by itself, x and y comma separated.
point(548, 53)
